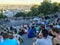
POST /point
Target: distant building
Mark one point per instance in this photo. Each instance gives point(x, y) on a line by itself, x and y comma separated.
point(11, 10)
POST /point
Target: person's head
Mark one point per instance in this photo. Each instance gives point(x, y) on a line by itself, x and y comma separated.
point(15, 31)
point(5, 35)
point(43, 33)
point(1, 33)
point(56, 31)
point(40, 35)
point(32, 27)
point(10, 35)
point(51, 26)
point(42, 26)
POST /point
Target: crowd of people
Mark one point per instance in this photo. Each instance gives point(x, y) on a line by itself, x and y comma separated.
point(44, 31)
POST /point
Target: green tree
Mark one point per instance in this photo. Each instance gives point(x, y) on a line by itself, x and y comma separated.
point(29, 14)
point(20, 14)
point(56, 7)
point(45, 8)
point(46, 0)
point(2, 16)
point(34, 10)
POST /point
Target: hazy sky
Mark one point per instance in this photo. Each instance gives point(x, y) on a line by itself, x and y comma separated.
point(23, 1)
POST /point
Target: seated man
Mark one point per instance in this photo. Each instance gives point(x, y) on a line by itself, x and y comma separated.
point(31, 32)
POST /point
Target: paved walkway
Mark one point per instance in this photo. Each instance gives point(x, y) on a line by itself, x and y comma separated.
point(27, 41)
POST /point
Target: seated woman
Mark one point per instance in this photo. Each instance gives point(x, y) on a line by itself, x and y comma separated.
point(44, 38)
point(56, 40)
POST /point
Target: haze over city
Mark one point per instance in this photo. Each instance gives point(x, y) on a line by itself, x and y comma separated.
point(24, 2)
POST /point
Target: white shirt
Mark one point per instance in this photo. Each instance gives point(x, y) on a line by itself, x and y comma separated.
point(43, 41)
point(16, 37)
point(1, 39)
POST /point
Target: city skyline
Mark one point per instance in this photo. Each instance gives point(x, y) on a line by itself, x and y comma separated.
point(24, 2)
